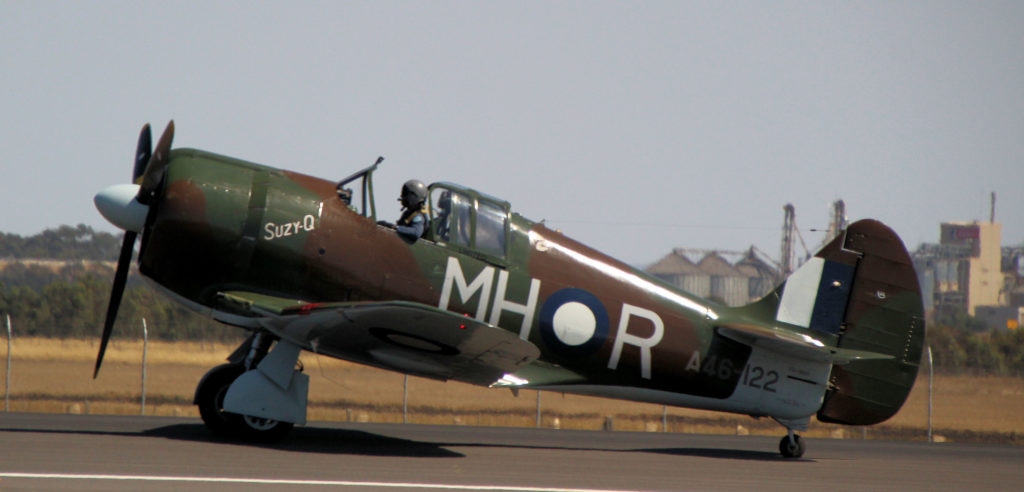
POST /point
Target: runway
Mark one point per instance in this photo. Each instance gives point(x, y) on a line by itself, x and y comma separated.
point(90, 452)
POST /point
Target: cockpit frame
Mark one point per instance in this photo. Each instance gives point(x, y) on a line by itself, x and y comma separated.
point(358, 188)
point(470, 222)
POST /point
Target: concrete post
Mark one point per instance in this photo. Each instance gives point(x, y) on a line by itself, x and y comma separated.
point(538, 409)
point(7, 385)
point(930, 374)
point(145, 348)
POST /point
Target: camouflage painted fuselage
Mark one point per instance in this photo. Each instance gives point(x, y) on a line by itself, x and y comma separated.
point(602, 326)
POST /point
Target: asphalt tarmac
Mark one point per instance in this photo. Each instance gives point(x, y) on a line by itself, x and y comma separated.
point(92, 452)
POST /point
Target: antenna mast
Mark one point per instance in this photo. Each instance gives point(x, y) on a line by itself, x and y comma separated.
point(992, 210)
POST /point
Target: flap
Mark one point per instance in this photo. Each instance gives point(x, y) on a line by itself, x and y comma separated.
point(793, 344)
point(253, 304)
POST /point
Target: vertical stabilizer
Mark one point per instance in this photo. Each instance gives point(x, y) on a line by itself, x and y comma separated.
point(859, 293)
point(883, 314)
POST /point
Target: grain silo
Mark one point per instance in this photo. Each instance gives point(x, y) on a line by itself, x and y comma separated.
point(727, 284)
point(676, 269)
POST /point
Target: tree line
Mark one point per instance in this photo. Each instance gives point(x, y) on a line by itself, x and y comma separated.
point(68, 298)
point(959, 347)
point(63, 243)
point(71, 302)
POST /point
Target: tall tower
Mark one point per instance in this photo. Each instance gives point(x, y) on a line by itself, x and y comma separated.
point(788, 231)
point(838, 222)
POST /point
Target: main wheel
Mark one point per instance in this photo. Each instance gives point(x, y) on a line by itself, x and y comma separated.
point(792, 448)
point(210, 399)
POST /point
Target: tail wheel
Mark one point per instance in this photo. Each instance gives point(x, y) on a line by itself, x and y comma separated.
point(792, 446)
point(210, 399)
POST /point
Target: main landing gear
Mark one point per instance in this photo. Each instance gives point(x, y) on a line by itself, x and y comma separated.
point(210, 399)
point(212, 389)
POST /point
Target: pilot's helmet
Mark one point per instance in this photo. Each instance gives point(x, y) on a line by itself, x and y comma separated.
point(414, 193)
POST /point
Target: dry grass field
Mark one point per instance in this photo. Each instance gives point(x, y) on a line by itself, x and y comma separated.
point(56, 376)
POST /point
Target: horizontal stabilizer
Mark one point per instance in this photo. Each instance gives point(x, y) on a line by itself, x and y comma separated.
point(796, 345)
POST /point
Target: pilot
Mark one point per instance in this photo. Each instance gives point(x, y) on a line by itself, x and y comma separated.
point(413, 222)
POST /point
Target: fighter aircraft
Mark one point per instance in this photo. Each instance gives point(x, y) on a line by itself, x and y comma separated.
point(488, 297)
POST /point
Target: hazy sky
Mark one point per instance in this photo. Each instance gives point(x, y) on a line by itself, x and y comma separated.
point(634, 127)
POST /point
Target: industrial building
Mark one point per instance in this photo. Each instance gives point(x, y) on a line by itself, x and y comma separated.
point(713, 277)
point(752, 275)
point(969, 271)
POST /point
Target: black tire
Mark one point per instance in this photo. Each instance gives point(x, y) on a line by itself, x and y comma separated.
point(792, 449)
point(210, 400)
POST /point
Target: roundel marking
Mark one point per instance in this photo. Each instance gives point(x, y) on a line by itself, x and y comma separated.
point(573, 322)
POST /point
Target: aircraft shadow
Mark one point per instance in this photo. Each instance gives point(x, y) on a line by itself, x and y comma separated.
point(357, 442)
point(304, 440)
point(732, 454)
point(319, 440)
point(363, 443)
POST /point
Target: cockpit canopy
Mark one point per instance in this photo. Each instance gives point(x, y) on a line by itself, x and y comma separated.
point(469, 219)
point(460, 217)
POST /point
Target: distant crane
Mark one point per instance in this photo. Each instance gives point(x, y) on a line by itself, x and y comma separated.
point(838, 222)
point(786, 262)
point(789, 260)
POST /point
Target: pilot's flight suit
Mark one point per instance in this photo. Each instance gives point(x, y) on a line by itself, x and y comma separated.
point(413, 223)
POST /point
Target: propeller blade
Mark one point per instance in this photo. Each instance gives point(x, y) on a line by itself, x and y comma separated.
point(120, 278)
point(155, 168)
point(142, 153)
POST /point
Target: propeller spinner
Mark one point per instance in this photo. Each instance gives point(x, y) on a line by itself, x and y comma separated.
point(127, 207)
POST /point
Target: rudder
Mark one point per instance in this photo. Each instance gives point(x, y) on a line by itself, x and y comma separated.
point(883, 314)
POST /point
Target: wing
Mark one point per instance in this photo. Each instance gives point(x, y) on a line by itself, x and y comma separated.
point(402, 336)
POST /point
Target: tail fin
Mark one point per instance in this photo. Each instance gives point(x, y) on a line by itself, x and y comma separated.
point(859, 294)
point(884, 314)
